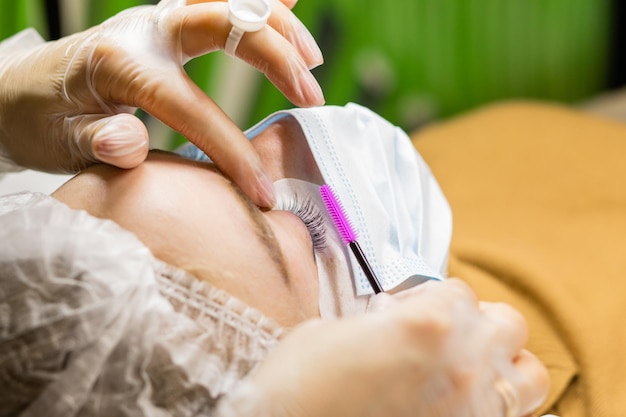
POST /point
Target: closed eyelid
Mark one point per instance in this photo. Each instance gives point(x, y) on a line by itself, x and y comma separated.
point(311, 215)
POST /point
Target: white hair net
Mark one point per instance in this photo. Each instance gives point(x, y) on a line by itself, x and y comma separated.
point(91, 324)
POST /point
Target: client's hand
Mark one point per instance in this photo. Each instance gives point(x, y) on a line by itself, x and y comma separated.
point(430, 351)
point(69, 103)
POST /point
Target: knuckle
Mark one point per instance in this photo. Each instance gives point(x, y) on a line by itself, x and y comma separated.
point(430, 328)
point(506, 314)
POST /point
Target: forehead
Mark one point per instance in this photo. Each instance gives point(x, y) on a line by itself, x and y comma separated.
point(202, 185)
point(285, 152)
point(169, 192)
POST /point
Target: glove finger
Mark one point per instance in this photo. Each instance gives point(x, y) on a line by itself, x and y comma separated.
point(511, 330)
point(120, 140)
point(456, 290)
point(289, 3)
point(451, 291)
point(531, 382)
point(441, 311)
point(281, 19)
point(202, 27)
point(271, 54)
point(289, 26)
point(208, 127)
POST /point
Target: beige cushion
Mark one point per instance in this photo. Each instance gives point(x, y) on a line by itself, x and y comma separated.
point(538, 195)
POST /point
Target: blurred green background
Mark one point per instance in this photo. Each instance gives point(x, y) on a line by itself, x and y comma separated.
point(412, 61)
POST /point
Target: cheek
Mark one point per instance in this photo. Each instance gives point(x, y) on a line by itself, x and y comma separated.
point(295, 242)
point(216, 243)
point(306, 290)
point(241, 266)
point(231, 257)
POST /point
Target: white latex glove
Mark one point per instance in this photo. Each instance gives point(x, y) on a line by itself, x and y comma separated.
point(69, 103)
point(431, 351)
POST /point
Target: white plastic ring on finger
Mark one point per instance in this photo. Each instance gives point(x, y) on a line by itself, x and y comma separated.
point(508, 395)
point(245, 16)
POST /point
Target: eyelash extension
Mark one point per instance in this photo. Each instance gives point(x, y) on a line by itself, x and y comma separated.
point(312, 218)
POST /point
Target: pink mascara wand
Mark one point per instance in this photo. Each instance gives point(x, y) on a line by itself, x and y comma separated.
point(348, 234)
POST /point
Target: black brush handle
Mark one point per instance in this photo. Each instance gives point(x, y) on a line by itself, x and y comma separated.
point(365, 265)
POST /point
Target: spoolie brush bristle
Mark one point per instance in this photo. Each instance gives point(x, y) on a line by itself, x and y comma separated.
point(338, 214)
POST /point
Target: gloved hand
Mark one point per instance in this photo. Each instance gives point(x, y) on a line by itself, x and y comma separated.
point(431, 351)
point(69, 103)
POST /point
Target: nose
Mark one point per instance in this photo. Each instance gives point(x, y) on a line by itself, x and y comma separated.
point(285, 153)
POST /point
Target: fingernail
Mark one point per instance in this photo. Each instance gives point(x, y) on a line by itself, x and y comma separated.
point(266, 192)
point(119, 138)
point(311, 89)
point(307, 46)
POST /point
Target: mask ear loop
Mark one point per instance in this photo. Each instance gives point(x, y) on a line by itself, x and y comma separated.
point(245, 16)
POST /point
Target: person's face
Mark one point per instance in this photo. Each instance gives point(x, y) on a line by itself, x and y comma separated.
point(192, 217)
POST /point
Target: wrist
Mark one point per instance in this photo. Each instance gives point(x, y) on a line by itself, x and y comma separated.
point(18, 43)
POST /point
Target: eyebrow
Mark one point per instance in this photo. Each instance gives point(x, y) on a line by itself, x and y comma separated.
point(263, 232)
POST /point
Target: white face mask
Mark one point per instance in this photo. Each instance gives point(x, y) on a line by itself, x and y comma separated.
point(403, 220)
